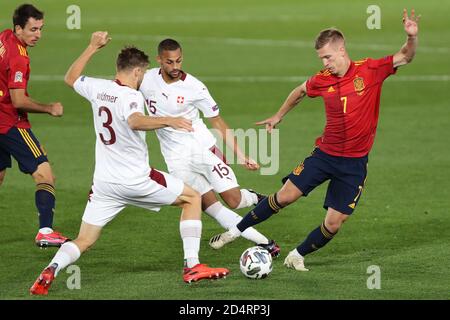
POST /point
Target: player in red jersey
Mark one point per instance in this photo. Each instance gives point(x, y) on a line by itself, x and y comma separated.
point(351, 92)
point(16, 138)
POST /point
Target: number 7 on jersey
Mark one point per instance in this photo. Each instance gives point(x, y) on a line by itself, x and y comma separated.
point(344, 100)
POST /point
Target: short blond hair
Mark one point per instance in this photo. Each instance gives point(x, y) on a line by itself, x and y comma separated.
point(327, 36)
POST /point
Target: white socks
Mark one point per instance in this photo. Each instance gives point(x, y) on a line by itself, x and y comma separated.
point(228, 219)
point(191, 231)
point(67, 254)
point(247, 199)
point(295, 253)
point(46, 230)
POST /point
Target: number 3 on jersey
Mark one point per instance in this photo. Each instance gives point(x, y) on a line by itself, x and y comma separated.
point(107, 125)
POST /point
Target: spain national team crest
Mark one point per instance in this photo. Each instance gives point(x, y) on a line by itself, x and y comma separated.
point(180, 100)
point(359, 85)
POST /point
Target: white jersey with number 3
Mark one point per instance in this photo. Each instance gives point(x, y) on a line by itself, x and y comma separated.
point(183, 98)
point(121, 154)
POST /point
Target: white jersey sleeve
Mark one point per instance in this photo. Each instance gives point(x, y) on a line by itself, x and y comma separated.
point(83, 86)
point(133, 102)
point(204, 102)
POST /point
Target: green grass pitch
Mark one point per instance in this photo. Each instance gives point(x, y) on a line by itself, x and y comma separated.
point(247, 53)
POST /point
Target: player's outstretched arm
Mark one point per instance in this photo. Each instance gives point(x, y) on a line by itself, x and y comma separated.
point(408, 50)
point(291, 101)
point(21, 101)
point(230, 140)
point(139, 121)
point(99, 39)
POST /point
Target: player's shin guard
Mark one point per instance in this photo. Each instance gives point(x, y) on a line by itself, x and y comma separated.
point(264, 210)
point(66, 255)
point(191, 231)
point(45, 203)
point(318, 238)
point(228, 219)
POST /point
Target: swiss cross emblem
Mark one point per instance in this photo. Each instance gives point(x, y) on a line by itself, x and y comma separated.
point(180, 99)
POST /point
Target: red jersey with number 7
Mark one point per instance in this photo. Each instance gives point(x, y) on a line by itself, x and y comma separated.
point(352, 105)
point(14, 74)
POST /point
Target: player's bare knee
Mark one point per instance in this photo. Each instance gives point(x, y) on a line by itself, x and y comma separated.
point(188, 197)
point(38, 179)
point(193, 195)
point(285, 198)
point(197, 201)
point(208, 199)
point(288, 194)
point(334, 223)
point(232, 198)
point(188, 191)
point(333, 226)
point(43, 177)
point(233, 203)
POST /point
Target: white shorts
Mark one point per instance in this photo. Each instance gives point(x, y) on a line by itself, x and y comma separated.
point(206, 171)
point(106, 200)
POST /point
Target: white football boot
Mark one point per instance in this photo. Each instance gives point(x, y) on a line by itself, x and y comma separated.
point(218, 241)
point(295, 261)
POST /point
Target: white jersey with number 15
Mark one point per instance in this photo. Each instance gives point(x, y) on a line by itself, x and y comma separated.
point(183, 98)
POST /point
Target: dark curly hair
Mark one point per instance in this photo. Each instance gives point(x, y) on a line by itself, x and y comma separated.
point(131, 57)
point(25, 12)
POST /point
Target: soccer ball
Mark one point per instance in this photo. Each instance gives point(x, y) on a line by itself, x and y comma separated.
point(256, 263)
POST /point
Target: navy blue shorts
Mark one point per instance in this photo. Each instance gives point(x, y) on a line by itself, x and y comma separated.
point(24, 147)
point(347, 177)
